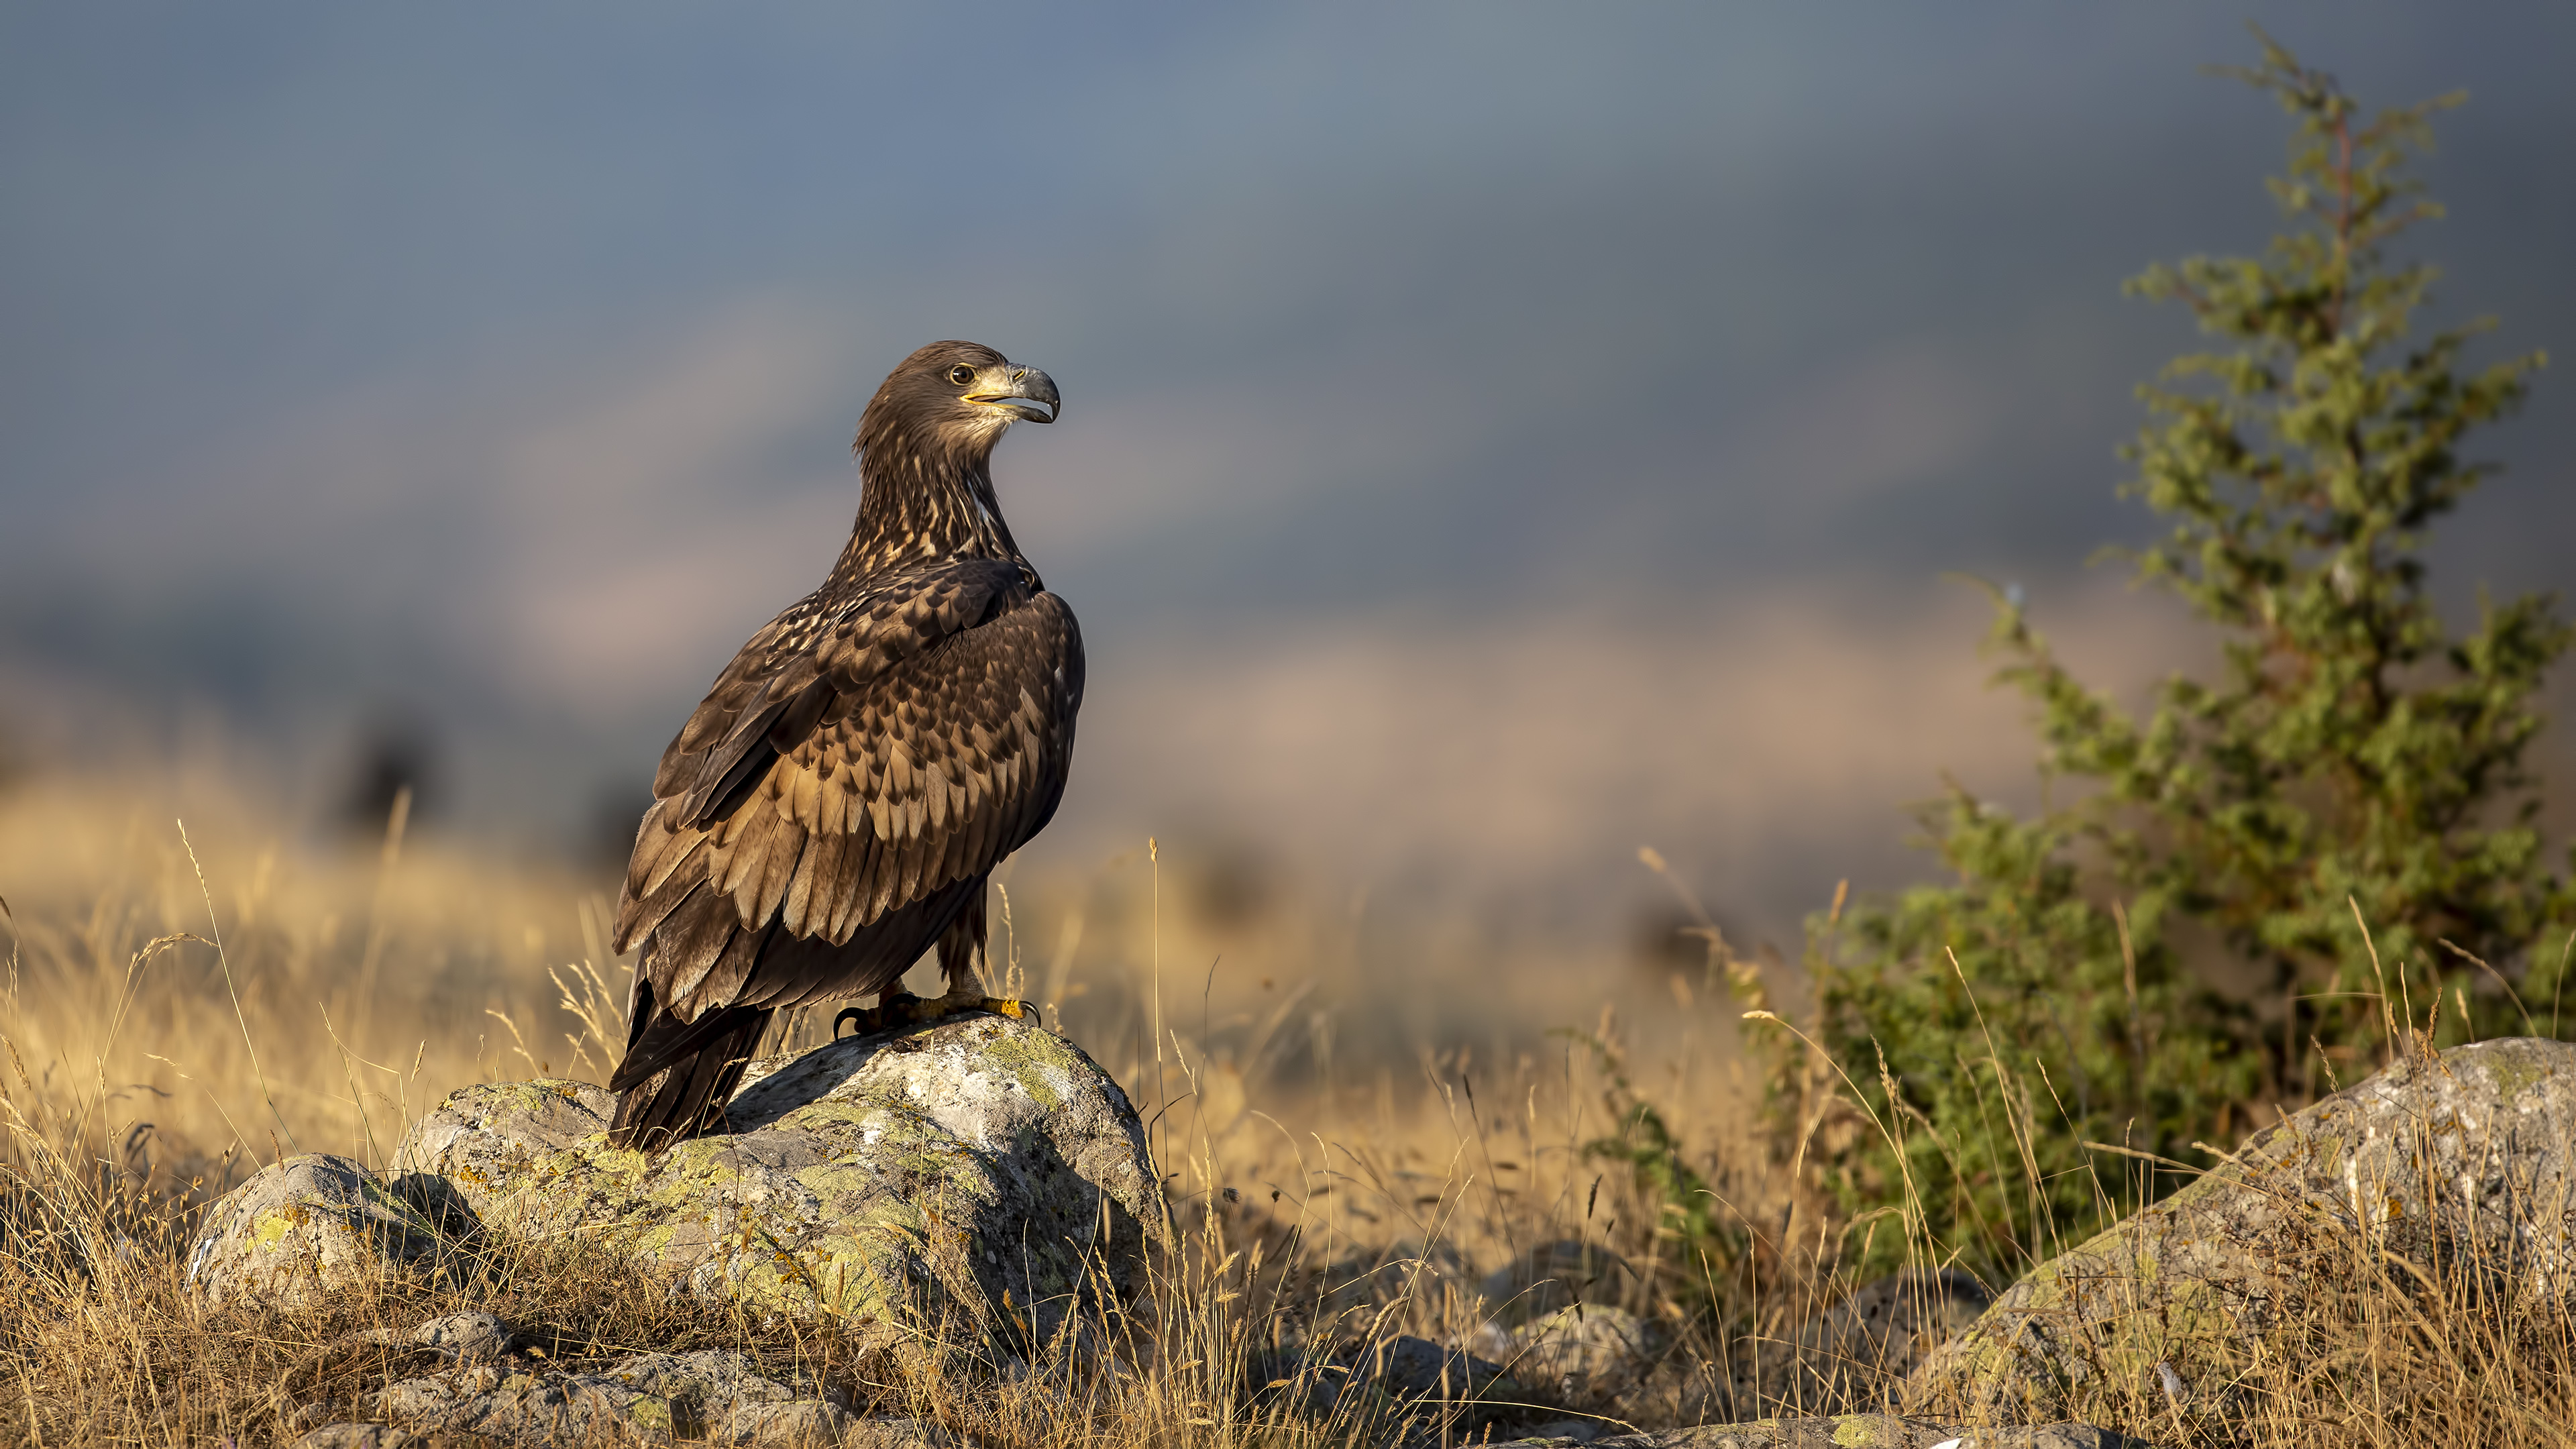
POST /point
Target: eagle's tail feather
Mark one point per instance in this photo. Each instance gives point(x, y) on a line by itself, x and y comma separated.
point(679, 1091)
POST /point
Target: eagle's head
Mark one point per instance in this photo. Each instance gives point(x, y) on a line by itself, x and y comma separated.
point(951, 400)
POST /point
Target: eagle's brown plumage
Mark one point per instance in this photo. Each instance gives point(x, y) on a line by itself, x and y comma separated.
point(832, 808)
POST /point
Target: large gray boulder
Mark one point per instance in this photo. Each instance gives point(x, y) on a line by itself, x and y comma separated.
point(306, 1228)
point(980, 1166)
point(2462, 1157)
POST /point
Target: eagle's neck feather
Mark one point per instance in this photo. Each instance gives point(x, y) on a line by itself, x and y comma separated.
point(917, 504)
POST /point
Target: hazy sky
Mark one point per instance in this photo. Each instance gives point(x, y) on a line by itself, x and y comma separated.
point(1495, 435)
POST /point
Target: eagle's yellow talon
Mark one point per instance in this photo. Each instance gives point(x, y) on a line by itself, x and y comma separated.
point(904, 1008)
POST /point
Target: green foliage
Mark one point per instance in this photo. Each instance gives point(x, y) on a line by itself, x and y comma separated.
point(2018, 1020)
point(2353, 759)
point(1661, 1168)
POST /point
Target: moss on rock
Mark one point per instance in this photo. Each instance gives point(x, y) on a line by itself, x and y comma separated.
point(304, 1228)
point(975, 1163)
point(2465, 1153)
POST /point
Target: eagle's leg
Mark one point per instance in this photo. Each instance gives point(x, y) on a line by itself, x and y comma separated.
point(959, 945)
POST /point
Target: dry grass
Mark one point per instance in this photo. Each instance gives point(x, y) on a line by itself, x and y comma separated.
point(1334, 1182)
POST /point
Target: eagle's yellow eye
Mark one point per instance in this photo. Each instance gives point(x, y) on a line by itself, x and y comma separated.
point(961, 374)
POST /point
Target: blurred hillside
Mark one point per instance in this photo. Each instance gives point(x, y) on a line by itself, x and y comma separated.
point(1492, 442)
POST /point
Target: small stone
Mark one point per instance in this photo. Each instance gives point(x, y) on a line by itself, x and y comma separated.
point(1405, 1367)
point(1418, 1368)
point(527, 1409)
point(465, 1337)
point(894, 1433)
point(417, 1398)
point(1553, 1276)
point(315, 1416)
point(356, 1436)
point(1584, 1353)
point(714, 1381)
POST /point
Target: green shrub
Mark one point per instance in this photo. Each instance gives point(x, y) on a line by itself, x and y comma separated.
point(2353, 760)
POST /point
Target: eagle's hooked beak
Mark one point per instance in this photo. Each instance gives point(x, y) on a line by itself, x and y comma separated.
point(1019, 391)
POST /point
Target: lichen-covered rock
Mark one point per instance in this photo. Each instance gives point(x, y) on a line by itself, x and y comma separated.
point(2466, 1153)
point(980, 1165)
point(303, 1228)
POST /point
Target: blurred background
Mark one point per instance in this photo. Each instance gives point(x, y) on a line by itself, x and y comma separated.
point(1497, 437)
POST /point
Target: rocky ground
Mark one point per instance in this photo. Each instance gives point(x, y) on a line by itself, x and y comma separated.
point(986, 1175)
point(484, 1386)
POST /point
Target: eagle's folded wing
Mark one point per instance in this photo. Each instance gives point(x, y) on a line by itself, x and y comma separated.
point(851, 763)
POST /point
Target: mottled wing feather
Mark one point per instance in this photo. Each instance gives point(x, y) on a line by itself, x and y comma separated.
point(859, 756)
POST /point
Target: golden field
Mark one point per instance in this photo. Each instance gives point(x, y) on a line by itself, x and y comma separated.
point(185, 1001)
